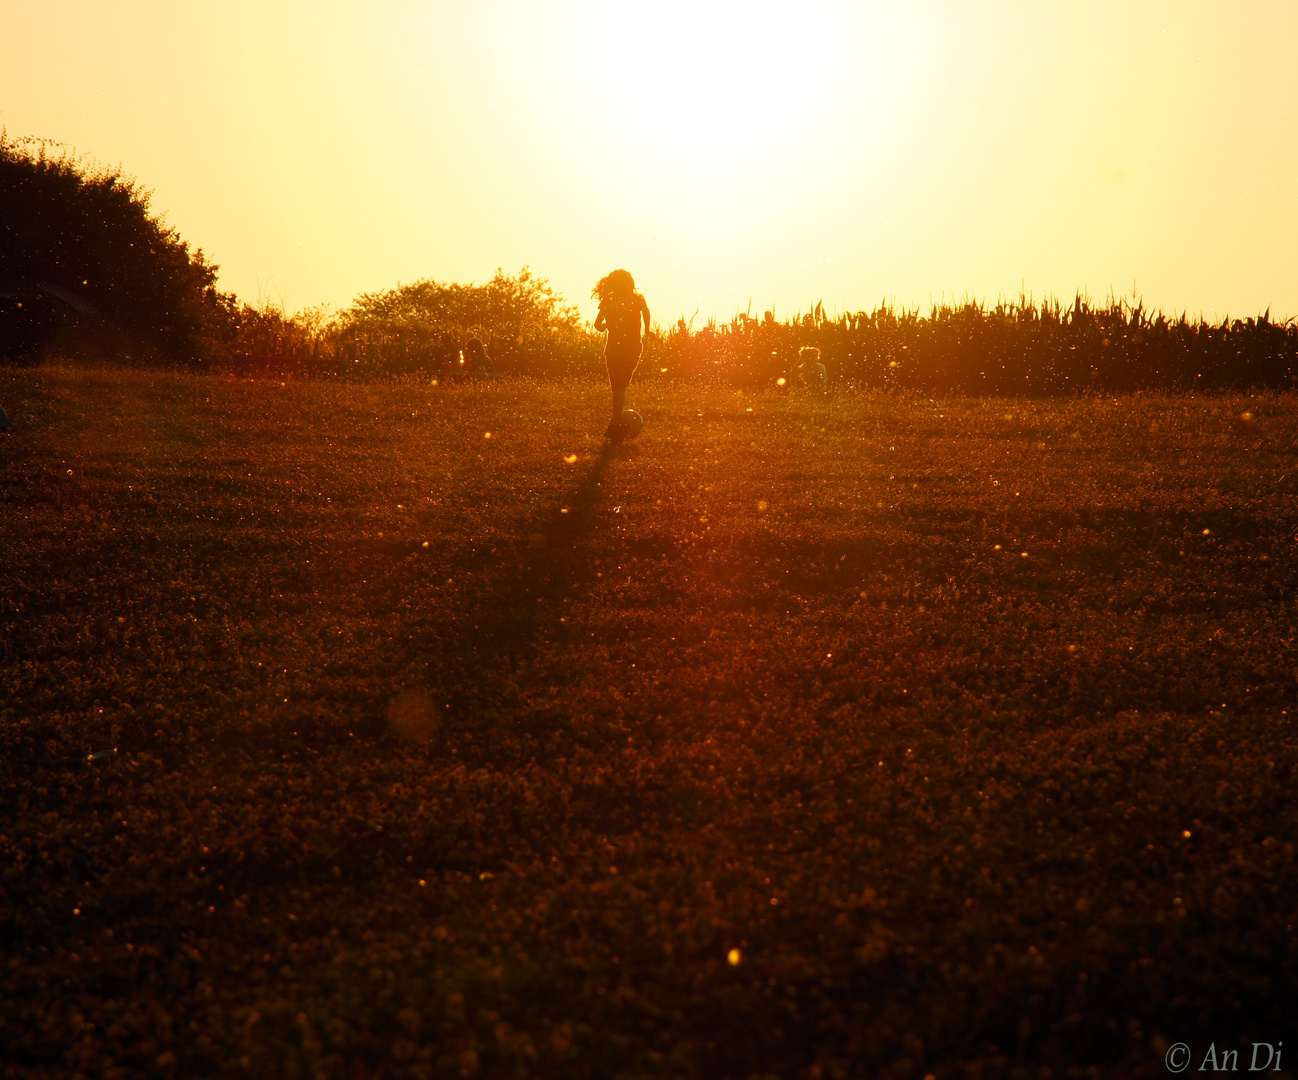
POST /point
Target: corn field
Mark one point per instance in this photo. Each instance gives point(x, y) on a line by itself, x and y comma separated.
point(1016, 348)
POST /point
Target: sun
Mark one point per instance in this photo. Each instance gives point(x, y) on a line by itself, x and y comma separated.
point(714, 75)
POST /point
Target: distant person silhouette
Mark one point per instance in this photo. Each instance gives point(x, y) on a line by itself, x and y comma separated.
point(476, 360)
point(814, 376)
point(621, 311)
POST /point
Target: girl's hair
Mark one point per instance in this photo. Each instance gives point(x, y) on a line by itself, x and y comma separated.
point(808, 354)
point(474, 347)
point(614, 283)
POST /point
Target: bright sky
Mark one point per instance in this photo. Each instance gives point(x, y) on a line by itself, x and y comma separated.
point(721, 150)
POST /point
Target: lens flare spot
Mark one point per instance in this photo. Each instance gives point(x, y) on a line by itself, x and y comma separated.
point(412, 716)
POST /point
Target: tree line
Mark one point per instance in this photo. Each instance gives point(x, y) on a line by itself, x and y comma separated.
point(87, 271)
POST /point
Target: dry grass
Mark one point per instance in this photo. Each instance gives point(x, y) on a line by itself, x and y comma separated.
point(964, 726)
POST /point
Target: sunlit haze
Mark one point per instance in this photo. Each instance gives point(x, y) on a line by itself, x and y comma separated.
point(766, 152)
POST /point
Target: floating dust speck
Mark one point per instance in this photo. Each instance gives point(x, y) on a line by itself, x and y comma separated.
point(780, 381)
point(762, 504)
point(1207, 532)
point(424, 544)
point(570, 459)
point(412, 716)
point(734, 956)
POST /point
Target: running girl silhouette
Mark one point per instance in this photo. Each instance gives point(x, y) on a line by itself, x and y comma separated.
point(621, 311)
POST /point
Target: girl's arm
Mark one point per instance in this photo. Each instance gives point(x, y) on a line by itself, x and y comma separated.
point(601, 323)
point(644, 314)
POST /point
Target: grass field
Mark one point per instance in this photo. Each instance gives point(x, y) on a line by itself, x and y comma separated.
point(872, 736)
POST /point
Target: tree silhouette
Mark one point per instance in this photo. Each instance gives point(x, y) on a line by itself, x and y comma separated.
point(87, 270)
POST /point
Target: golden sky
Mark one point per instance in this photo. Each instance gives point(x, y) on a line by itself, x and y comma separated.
point(721, 150)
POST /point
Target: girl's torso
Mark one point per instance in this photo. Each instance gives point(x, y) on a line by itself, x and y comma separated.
point(622, 316)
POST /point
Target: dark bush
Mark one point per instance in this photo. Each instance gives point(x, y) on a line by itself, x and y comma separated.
point(87, 271)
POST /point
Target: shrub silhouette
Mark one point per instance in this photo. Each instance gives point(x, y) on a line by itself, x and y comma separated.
point(526, 326)
point(266, 338)
point(86, 270)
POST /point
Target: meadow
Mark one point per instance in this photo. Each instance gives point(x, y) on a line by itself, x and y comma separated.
point(395, 729)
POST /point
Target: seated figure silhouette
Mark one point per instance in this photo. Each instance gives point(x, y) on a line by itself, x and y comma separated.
point(475, 362)
point(814, 376)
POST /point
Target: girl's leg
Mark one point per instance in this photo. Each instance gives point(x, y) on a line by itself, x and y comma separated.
point(620, 370)
point(614, 430)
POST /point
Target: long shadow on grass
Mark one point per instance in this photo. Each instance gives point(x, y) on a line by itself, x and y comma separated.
point(503, 626)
